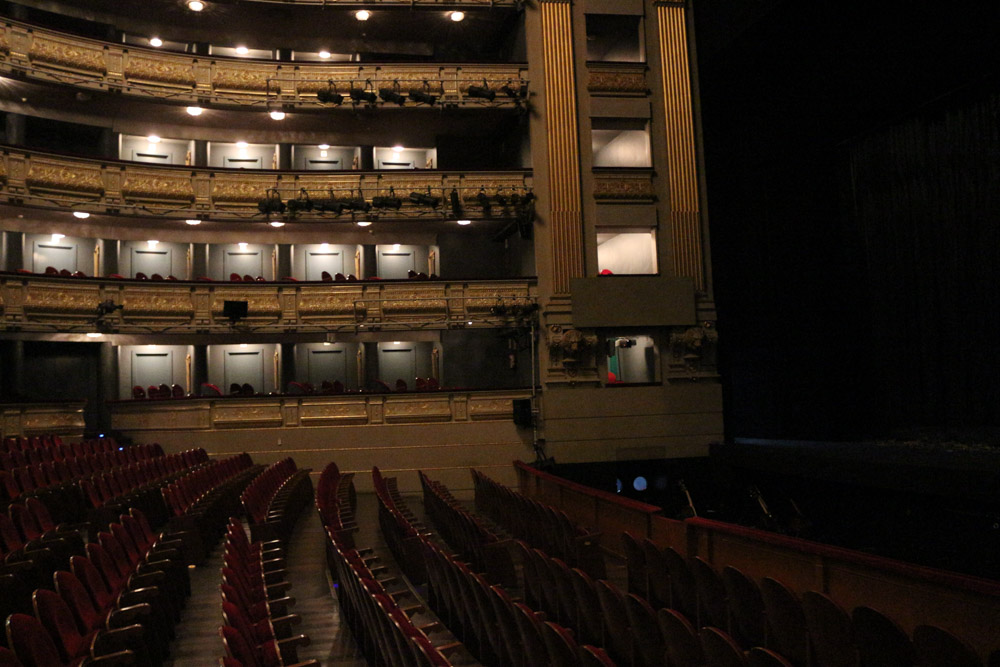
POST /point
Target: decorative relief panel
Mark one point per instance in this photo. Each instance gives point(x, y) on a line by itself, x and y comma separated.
point(260, 303)
point(64, 419)
point(338, 305)
point(627, 188)
point(153, 187)
point(245, 414)
point(693, 351)
point(620, 82)
point(68, 54)
point(483, 409)
point(160, 71)
point(415, 411)
point(63, 300)
point(333, 413)
point(233, 76)
point(68, 178)
point(159, 302)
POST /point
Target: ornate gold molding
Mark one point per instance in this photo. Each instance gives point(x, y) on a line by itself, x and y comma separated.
point(624, 187)
point(61, 182)
point(562, 134)
point(42, 303)
point(47, 55)
point(682, 168)
point(617, 79)
point(64, 419)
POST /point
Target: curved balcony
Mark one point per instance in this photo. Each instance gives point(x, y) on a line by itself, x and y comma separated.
point(44, 55)
point(59, 182)
point(43, 304)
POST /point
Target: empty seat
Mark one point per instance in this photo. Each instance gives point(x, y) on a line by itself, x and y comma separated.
point(720, 649)
point(880, 640)
point(683, 645)
point(763, 657)
point(785, 620)
point(830, 635)
point(746, 607)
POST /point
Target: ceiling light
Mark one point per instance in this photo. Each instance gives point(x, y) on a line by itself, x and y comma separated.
point(324, 54)
point(243, 344)
point(362, 14)
point(196, 5)
point(152, 243)
point(56, 237)
point(194, 111)
point(241, 144)
point(277, 115)
point(323, 147)
point(464, 222)
point(395, 246)
point(395, 342)
point(242, 50)
point(363, 223)
point(326, 343)
point(193, 221)
point(243, 246)
point(155, 41)
point(397, 149)
point(324, 246)
point(93, 334)
point(153, 139)
point(276, 223)
point(456, 16)
point(83, 215)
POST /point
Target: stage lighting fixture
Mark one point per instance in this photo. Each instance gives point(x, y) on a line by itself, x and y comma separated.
point(456, 203)
point(330, 95)
point(484, 201)
point(301, 203)
point(425, 199)
point(482, 92)
point(362, 94)
point(358, 203)
point(272, 203)
point(422, 95)
point(330, 205)
point(392, 201)
point(501, 199)
point(520, 92)
point(392, 94)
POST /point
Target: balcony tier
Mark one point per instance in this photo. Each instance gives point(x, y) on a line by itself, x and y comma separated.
point(45, 55)
point(43, 304)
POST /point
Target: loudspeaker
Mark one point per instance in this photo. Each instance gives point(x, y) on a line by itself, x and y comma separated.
point(234, 310)
point(522, 413)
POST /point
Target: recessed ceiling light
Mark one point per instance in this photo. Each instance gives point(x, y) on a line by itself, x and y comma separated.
point(326, 342)
point(276, 223)
point(196, 5)
point(362, 14)
point(324, 246)
point(323, 147)
point(153, 139)
point(155, 41)
point(278, 115)
point(363, 223)
point(194, 111)
point(241, 144)
point(93, 334)
point(243, 344)
point(456, 16)
point(242, 50)
point(193, 221)
point(395, 246)
point(397, 149)
point(152, 243)
point(324, 54)
point(56, 237)
point(83, 215)
point(464, 222)
point(243, 246)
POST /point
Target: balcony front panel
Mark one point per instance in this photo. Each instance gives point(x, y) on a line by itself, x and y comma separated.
point(46, 55)
point(37, 303)
point(61, 182)
point(227, 413)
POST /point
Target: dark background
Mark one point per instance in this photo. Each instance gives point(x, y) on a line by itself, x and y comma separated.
point(853, 180)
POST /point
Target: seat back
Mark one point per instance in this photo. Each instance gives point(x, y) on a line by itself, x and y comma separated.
point(711, 594)
point(58, 620)
point(785, 620)
point(720, 649)
point(647, 638)
point(616, 628)
point(31, 642)
point(683, 645)
point(635, 565)
point(936, 646)
point(763, 657)
point(746, 607)
point(830, 636)
point(880, 640)
point(78, 600)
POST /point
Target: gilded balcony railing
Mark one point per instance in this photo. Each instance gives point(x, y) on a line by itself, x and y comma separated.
point(42, 303)
point(52, 181)
point(46, 55)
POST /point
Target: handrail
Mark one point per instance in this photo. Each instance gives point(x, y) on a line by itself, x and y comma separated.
point(48, 55)
point(627, 503)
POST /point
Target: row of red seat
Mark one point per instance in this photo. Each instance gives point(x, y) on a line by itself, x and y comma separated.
point(486, 551)
point(400, 528)
point(23, 442)
point(811, 629)
point(184, 493)
point(498, 630)
point(256, 627)
point(386, 633)
point(113, 484)
point(540, 525)
point(275, 499)
point(53, 448)
point(114, 604)
point(336, 499)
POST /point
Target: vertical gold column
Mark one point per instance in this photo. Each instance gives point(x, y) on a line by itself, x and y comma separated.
point(685, 216)
point(562, 138)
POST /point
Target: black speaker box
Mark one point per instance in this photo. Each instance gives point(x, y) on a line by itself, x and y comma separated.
point(522, 412)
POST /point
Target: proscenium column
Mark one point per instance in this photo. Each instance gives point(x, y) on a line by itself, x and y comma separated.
point(682, 164)
point(562, 144)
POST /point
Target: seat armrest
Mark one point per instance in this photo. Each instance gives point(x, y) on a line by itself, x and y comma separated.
point(116, 659)
point(125, 616)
